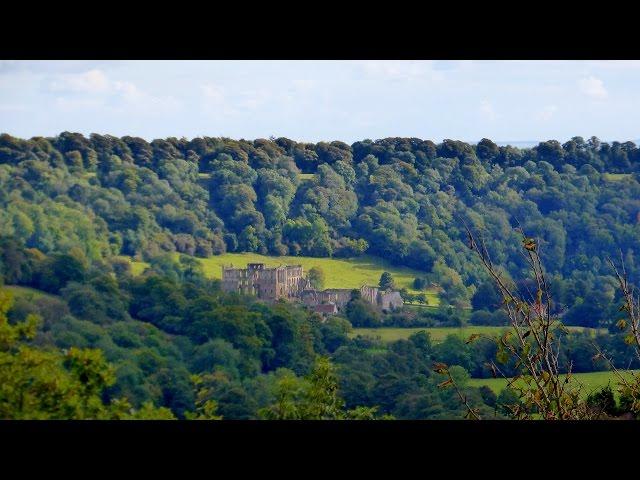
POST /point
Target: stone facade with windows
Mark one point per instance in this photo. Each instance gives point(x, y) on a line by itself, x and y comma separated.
point(288, 282)
point(266, 283)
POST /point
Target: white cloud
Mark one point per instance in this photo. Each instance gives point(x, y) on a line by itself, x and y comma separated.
point(54, 66)
point(402, 70)
point(213, 93)
point(487, 110)
point(255, 98)
point(92, 81)
point(546, 113)
point(220, 100)
point(129, 94)
point(303, 84)
point(593, 87)
point(13, 108)
point(514, 100)
point(458, 65)
point(128, 90)
point(70, 104)
point(615, 64)
point(94, 89)
point(215, 101)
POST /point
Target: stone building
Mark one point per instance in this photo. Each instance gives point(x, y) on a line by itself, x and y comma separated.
point(273, 283)
point(386, 300)
point(370, 294)
point(266, 283)
point(338, 296)
point(326, 309)
point(389, 300)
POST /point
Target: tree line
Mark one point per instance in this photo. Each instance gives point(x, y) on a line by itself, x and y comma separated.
point(400, 198)
point(93, 341)
point(170, 344)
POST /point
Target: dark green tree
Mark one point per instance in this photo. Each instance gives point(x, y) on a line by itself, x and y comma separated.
point(386, 281)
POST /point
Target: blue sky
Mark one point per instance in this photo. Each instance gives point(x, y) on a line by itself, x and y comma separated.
point(323, 100)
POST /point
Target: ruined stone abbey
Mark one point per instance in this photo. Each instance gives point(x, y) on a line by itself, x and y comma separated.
point(288, 282)
point(264, 282)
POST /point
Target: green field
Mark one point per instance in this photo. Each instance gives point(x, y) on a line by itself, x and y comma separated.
point(590, 382)
point(306, 176)
point(438, 334)
point(339, 272)
point(616, 177)
point(391, 334)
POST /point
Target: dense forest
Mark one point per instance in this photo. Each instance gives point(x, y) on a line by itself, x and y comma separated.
point(400, 198)
point(174, 340)
point(71, 207)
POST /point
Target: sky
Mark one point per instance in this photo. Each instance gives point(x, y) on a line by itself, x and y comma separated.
point(323, 100)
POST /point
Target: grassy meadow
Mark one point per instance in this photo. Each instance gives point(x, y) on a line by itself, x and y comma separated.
point(616, 177)
point(438, 334)
point(339, 272)
point(590, 382)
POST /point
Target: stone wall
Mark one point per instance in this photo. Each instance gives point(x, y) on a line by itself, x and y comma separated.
point(390, 300)
point(266, 283)
point(289, 282)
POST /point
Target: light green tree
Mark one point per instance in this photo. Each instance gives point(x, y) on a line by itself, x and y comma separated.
point(315, 397)
point(206, 407)
point(40, 383)
point(317, 278)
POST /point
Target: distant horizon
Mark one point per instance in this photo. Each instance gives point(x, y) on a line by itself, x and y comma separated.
point(500, 143)
point(316, 100)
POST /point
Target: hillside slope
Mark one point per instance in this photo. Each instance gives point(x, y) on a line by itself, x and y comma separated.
point(339, 272)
